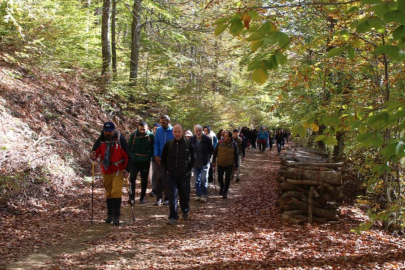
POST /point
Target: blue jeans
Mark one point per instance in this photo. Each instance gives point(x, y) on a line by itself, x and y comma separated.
point(279, 147)
point(181, 188)
point(201, 179)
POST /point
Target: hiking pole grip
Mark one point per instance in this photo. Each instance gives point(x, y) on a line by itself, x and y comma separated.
point(92, 189)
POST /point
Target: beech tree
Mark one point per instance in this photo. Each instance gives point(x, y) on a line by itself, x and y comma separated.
point(135, 40)
point(105, 37)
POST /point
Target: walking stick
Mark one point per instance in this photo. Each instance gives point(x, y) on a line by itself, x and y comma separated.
point(215, 186)
point(92, 189)
point(132, 206)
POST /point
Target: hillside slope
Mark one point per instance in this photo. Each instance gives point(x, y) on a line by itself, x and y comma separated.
point(48, 123)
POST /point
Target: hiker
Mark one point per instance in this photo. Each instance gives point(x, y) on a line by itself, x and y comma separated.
point(254, 133)
point(141, 145)
point(244, 145)
point(163, 134)
point(153, 174)
point(226, 153)
point(213, 137)
point(279, 140)
point(245, 134)
point(286, 136)
point(239, 142)
point(271, 139)
point(283, 141)
point(178, 158)
point(113, 150)
point(188, 134)
point(262, 137)
point(203, 148)
point(220, 134)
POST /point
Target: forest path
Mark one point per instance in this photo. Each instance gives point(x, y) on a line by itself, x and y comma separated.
point(241, 232)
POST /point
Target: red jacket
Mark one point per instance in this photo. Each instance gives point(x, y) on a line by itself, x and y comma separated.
point(119, 158)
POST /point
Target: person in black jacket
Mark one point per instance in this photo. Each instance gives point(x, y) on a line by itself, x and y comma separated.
point(178, 158)
point(279, 140)
point(203, 148)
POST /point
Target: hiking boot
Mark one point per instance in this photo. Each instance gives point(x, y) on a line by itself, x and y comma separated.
point(185, 215)
point(166, 202)
point(141, 201)
point(158, 202)
point(152, 193)
point(109, 218)
point(116, 207)
point(116, 220)
point(203, 198)
point(237, 180)
point(131, 202)
point(224, 196)
point(172, 221)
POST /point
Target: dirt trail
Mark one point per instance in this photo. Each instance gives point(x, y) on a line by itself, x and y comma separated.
point(241, 232)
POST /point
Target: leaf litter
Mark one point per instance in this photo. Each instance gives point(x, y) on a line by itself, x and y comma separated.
point(243, 232)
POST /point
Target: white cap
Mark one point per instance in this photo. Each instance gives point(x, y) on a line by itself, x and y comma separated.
point(188, 133)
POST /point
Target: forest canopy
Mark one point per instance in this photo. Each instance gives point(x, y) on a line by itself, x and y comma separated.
point(331, 71)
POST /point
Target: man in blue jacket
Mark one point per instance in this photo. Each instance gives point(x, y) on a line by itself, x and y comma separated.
point(163, 134)
point(262, 138)
point(203, 148)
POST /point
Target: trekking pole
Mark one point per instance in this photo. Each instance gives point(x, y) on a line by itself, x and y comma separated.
point(92, 189)
point(132, 205)
point(215, 186)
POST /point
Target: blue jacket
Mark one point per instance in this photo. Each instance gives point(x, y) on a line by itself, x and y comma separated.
point(161, 137)
point(263, 135)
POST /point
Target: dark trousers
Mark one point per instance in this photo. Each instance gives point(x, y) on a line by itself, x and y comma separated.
point(144, 171)
point(161, 182)
point(262, 145)
point(254, 143)
point(210, 174)
point(181, 188)
point(279, 147)
point(228, 172)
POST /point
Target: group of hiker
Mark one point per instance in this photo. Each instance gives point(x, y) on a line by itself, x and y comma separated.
point(169, 154)
point(266, 137)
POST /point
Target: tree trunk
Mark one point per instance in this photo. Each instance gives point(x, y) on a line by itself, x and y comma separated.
point(387, 134)
point(215, 68)
point(311, 204)
point(105, 40)
point(113, 39)
point(330, 177)
point(135, 41)
point(295, 204)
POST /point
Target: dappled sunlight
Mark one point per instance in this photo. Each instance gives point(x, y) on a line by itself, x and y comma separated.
point(241, 232)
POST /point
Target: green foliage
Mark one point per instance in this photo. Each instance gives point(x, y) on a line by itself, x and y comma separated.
point(335, 52)
point(393, 51)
